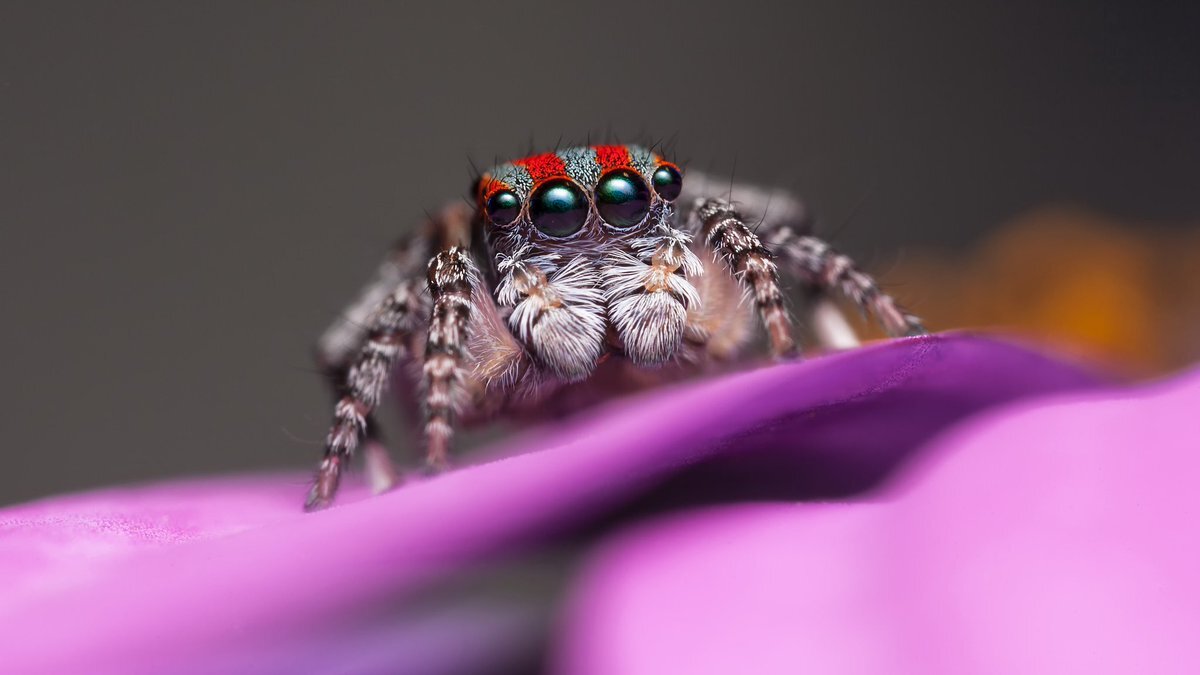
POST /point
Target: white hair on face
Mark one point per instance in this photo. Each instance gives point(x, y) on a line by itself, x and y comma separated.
point(650, 326)
point(674, 248)
point(647, 299)
point(625, 275)
point(558, 313)
point(521, 264)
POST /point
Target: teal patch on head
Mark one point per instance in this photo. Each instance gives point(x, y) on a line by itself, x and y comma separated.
point(642, 160)
point(516, 177)
point(581, 165)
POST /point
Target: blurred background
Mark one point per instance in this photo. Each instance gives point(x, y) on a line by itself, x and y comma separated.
point(190, 192)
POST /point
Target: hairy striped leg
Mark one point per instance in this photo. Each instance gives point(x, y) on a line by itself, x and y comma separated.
point(381, 474)
point(386, 340)
point(814, 261)
point(727, 234)
point(453, 280)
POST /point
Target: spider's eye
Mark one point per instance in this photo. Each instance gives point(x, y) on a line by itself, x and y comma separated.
point(503, 207)
point(622, 198)
point(667, 182)
point(558, 208)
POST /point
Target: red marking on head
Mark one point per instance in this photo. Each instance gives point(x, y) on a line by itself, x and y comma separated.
point(543, 167)
point(488, 187)
point(612, 157)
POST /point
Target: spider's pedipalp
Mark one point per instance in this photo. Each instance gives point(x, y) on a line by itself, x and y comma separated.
point(557, 311)
point(648, 293)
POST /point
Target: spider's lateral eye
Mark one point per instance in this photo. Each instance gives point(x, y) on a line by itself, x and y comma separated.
point(668, 182)
point(622, 198)
point(503, 207)
point(558, 208)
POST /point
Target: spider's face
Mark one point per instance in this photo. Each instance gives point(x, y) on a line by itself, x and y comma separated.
point(587, 195)
point(583, 242)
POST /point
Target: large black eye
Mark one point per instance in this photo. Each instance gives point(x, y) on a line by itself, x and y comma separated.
point(667, 182)
point(558, 208)
point(622, 198)
point(503, 207)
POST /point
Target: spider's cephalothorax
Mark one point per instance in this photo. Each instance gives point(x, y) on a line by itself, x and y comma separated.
point(579, 273)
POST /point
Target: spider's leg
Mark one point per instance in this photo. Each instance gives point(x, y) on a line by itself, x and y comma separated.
point(815, 262)
point(380, 472)
point(741, 250)
point(385, 341)
point(341, 343)
point(453, 282)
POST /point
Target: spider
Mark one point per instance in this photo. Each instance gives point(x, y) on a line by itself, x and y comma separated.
point(577, 274)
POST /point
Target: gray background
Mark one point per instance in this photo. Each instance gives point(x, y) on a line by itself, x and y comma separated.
point(190, 191)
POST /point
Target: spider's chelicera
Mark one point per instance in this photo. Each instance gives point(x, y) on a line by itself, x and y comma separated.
point(578, 274)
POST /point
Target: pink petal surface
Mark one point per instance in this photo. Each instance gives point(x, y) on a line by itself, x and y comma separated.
point(226, 575)
point(1048, 537)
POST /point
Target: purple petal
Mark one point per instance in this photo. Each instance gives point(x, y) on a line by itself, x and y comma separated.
point(1057, 537)
point(228, 575)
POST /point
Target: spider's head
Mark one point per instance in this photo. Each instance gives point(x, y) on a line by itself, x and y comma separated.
point(585, 194)
point(575, 233)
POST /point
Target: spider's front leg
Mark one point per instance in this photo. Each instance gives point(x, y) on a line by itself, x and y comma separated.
point(453, 282)
point(741, 250)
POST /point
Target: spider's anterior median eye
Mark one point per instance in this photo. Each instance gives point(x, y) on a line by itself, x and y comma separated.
point(558, 208)
point(667, 182)
point(622, 198)
point(503, 207)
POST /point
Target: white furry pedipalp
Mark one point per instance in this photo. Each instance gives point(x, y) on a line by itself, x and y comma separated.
point(559, 314)
point(648, 303)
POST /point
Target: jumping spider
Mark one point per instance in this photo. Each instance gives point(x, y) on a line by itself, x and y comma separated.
point(578, 273)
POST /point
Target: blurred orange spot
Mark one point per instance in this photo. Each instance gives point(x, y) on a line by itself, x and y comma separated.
point(1082, 282)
